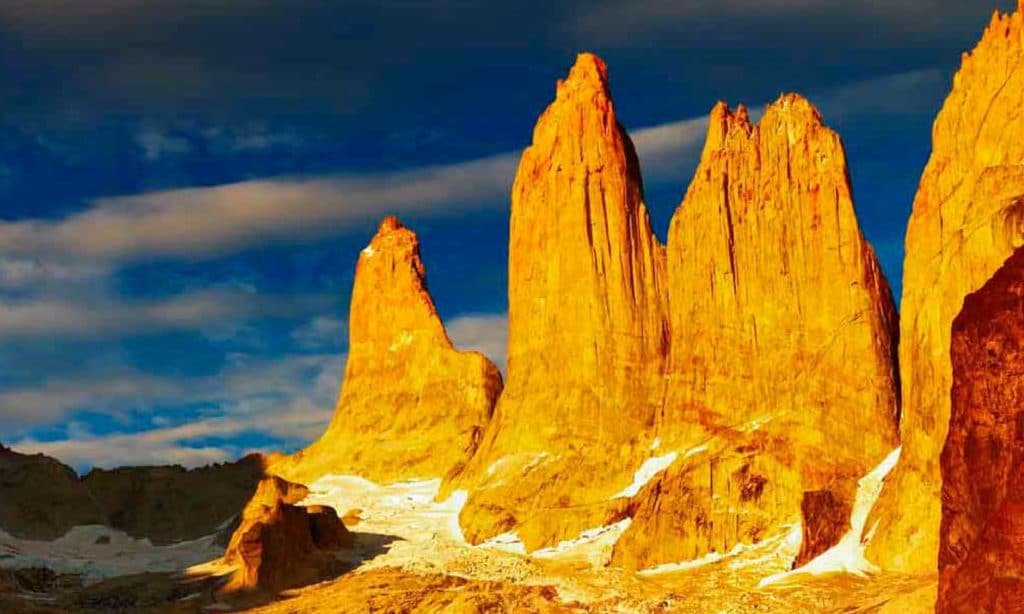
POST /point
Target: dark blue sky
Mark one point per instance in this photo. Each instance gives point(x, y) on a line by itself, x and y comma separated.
point(184, 186)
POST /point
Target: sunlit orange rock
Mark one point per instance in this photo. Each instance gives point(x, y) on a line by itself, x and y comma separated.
point(981, 554)
point(782, 376)
point(411, 406)
point(967, 219)
point(587, 333)
point(278, 544)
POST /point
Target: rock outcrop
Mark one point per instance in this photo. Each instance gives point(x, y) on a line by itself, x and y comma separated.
point(587, 333)
point(280, 545)
point(782, 376)
point(411, 405)
point(981, 554)
point(41, 498)
point(169, 504)
point(968, 217)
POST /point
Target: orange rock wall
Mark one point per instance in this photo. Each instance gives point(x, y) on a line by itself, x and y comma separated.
point(967, 219)
point(587, 332)
point(411, 406)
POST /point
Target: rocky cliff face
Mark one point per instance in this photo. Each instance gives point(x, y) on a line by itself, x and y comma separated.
point(587, 333)
point(981, 557)
point(41, 498)
point(411, 406)
point(171, 504)
point(967, 219)
point(782, 377)
point(278, 544)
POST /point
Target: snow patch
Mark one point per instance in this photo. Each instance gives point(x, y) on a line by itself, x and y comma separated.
point(506, 542)
point(707, 559)
point(848, 555)
point(593, 544)
point(403, 340)
point(651, 467)
point(695, 451)
point(453, 507)
point(656, 443)
point(76, 552)
point(757, 423)
point(369, 251)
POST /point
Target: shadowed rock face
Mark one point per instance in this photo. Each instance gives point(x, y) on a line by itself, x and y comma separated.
point(781, 377)
point(981, 554)
point(826, 518)
point(587, 333)
point(279, 545)
point(411, 406)
point(968, 217)
point(170, 503)
point(41, 498)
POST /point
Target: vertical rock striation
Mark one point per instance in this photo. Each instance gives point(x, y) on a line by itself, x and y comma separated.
point(587, 333)
point(968, 217)
point(782, 377)
point(981, 554)
point(411, 405)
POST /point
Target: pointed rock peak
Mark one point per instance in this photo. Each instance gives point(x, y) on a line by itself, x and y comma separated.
point(724, 122)
point(403, 377)
point(395, 239)
point(794, 109)
point(588, 70)
point(389, 224)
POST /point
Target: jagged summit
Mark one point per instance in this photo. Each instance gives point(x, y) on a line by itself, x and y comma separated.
point(589, 72)
point(389, 224)
point(781, 373)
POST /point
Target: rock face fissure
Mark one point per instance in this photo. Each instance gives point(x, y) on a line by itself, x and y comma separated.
point(981, 554)
point(411, 406)
point(968, 217)
point(783, 341)
point(587, 330)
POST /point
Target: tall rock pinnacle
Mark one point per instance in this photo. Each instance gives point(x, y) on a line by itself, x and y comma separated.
point(967, 219)
point(587, 333)
point(411, 404)
point(782, 376)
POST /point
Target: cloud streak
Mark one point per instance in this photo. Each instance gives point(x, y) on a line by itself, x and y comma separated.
point(97, 317)
point(196, 223)
point(288, 399)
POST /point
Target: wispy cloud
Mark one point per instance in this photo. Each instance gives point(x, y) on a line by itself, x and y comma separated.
point(197, 223)
point(484, 333)
point(200, 222)
point(289, 399)
point(103, 316)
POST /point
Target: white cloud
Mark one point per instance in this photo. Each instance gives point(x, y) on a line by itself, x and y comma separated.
point(195, 223)
point(484, 333)
point(157, 144)
point(198, 222)
point(100, 316)
point(291, 398)
point(321, 332)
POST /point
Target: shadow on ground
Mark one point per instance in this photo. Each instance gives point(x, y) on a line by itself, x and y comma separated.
point(36, 591)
